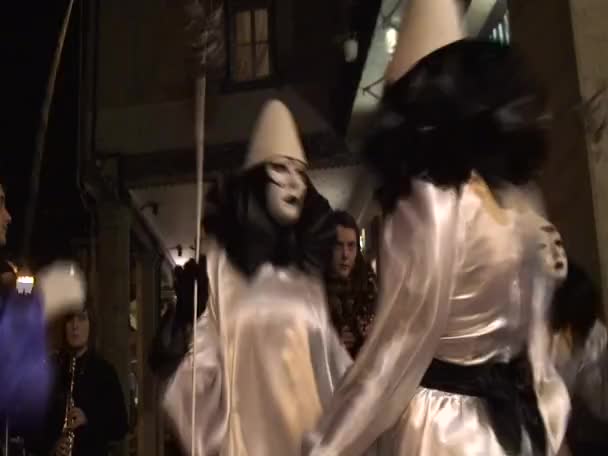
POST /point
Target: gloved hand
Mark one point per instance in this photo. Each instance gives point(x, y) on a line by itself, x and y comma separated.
point(184, 290)
point(173, 337)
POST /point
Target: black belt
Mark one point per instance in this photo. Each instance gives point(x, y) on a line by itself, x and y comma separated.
point(508, 392)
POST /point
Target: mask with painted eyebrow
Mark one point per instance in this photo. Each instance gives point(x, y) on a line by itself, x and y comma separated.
point(286, 190)
point(553, 253)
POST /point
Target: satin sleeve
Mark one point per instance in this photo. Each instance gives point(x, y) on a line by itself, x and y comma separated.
point(211, 409)
point(417, 256)
point(340, 359)
point(592, 377)
point(551, 392)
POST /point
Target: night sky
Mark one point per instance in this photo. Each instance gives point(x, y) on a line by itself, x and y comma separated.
point(30, 33)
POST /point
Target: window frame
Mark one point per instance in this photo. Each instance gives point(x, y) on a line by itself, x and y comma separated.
point(233, 7)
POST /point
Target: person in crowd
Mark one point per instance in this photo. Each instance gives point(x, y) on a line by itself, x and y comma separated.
point(458, 360)
point(579, 348)
point(350, 284)
point(25, 374)
point(87, 411)
point(5, 216)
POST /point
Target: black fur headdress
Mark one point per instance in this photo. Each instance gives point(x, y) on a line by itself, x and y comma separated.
point(468, 106)
point(237, 217)
point(576, 304)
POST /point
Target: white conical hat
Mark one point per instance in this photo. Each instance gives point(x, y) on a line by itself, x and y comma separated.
point(275, 135)
point(426, 26)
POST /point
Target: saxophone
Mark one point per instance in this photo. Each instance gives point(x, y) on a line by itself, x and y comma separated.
point(66, 432)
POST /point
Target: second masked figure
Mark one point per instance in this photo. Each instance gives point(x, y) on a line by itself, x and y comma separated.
point(267, 359)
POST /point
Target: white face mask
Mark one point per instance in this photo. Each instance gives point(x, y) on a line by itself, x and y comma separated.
point(553, 252)
point(286, 190)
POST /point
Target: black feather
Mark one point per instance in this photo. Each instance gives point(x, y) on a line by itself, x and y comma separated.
point(205, 28)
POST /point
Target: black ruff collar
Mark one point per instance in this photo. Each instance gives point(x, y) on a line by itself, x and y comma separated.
point(236, 216)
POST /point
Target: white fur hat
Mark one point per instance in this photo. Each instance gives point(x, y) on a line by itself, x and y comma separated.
point(63, 288)
point(275, 135)
point(426, 26)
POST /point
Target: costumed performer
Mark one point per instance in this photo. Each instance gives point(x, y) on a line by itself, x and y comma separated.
point(267, 358)
point(458, 359)
point(579, 348)
point(25, 373)
point(578, 343)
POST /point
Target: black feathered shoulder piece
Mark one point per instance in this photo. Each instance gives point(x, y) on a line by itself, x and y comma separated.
point(468, 106)
point(236, 216)
point(576, 304)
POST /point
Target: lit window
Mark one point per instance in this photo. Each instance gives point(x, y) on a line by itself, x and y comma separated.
point(391, 40)
point(507, 28)
point(250, 59)
point(501, 32)
point(363, 239)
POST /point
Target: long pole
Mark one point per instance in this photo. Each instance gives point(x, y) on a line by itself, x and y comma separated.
point(41, 135)
point(6, 429)
point(205, 19)
point(199, 127)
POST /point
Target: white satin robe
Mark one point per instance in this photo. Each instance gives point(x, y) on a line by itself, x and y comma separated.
point(585, 372)
point(267, 362)
point(458, 282)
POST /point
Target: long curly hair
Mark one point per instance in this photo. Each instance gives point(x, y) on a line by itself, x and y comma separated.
point(91, 316)
point(576, 305)
point(8, 278)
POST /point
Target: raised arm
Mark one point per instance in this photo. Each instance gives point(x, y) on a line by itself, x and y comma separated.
point(417, 259)
point(211, 413)
point(173, 337)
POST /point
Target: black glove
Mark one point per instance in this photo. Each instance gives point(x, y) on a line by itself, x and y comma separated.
point(185, 278)
point(173, 336)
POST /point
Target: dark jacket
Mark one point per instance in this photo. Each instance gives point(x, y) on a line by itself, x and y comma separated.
point(352, 303)
point(98, 393)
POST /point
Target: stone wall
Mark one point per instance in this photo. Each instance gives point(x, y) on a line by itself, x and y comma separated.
point(590, 27)
point(549, 36)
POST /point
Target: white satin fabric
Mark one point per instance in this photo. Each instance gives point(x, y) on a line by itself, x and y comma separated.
point(267, 362)
point(459, 282)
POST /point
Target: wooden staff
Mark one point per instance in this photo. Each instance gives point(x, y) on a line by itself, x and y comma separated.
point(205, 19)
point(41, 135)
